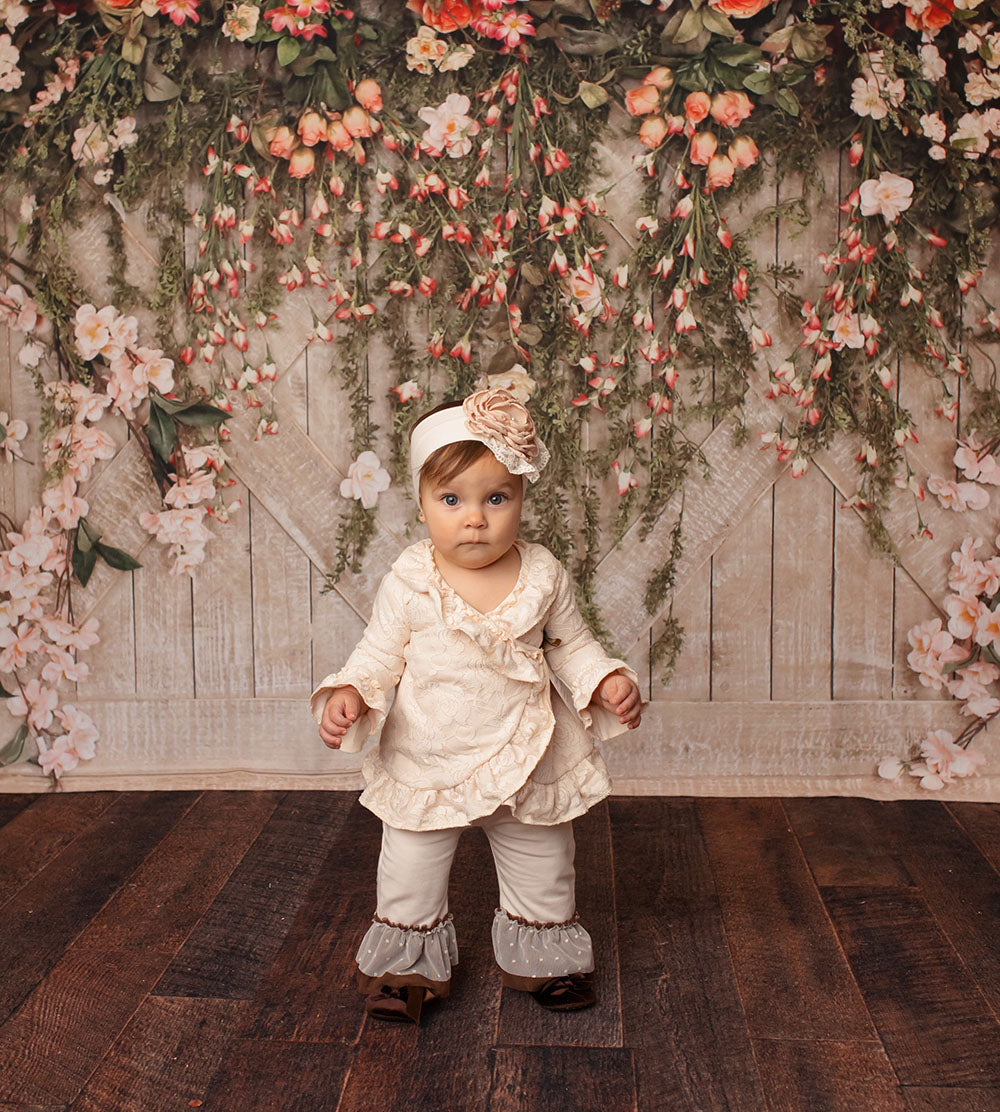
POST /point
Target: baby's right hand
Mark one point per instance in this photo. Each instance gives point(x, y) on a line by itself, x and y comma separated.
point(339, 714)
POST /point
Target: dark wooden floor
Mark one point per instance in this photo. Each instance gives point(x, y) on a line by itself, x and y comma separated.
point(183, 950)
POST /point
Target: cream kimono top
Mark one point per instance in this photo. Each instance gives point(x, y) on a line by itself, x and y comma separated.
point(490, 709)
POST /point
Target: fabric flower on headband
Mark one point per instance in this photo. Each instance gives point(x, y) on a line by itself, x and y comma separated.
point(505, 426)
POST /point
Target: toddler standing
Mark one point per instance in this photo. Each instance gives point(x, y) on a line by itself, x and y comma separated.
point(500, 692)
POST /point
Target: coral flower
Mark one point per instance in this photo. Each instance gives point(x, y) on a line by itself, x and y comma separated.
point(697, 105)
point(930, 17)
point(301, 163)
point(731, 108)
point(653, 131)
point(642, 100)
point(739, 9)
point(447, 16)
point(703, 147)
point(369, 95)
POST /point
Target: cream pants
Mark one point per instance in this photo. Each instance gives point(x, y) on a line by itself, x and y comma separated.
point(535, 935)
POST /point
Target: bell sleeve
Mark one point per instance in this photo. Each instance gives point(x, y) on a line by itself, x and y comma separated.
point(578, 663)
point(373, 668)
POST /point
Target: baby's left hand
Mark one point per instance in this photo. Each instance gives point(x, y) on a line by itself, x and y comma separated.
point(618, 694)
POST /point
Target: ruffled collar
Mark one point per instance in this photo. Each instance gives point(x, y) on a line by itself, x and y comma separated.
point(517, 613)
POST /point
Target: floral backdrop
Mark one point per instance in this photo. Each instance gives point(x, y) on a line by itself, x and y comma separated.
point(429, 170)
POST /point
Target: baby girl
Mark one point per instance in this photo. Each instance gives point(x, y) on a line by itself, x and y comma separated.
point(500, 691)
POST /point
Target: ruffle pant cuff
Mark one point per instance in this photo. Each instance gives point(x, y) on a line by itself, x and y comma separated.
point(531, 953)
point(394, 954)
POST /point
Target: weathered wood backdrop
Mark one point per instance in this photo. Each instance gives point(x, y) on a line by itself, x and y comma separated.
point(793, 678)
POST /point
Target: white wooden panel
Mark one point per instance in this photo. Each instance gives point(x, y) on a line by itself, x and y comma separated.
point(223, 622)
point(164, 632)
point(746, 749)
point(112, 659)
point(741, 609)
point(692, 677)
point(862, 613)
point(711, 510)
point(281, 609)
point(336, 629)
point(801, 665)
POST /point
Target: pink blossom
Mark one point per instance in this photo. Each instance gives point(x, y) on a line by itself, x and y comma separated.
point(450, 127)
point(180, 10)
point(963, 615)
point(12, 432)
point(37, 702)
point(17, 645)
point(987, 627)
point(933, 647)
point(887, 196)
point(58, 758)
point(958, 496)
point(64, 504)
point(946, 759)
point(366, 479)
point(80, 730)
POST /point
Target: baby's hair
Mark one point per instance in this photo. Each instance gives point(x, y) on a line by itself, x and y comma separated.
point(444, 463)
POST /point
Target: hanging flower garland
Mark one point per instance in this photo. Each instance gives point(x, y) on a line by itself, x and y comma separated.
point(431, 171)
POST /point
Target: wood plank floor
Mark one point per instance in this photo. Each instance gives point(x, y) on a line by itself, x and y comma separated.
point(174, 950)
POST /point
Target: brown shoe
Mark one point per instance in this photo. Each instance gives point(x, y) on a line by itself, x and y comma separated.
point(399, 1004)
point(569, 993)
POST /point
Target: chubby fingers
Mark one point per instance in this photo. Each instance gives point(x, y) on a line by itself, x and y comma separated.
point(629, 710)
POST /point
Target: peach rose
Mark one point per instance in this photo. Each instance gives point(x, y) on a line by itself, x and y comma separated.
point(653, 131)
point(642, 100)
point(358, 122)
point(731, 108)
point(340, 138)
point(743, 151)
point(281, 142)
point(312, 128)
point(739, 9)
point(662, 77)
point(301, 163)
point(703, 146)
point(498, 415)
point(697, 106)
point(369, 95)
point(720, 172)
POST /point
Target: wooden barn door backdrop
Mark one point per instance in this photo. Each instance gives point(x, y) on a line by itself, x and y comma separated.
point(793, 676)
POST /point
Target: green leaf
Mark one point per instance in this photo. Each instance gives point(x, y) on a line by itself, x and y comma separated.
point(3, 433)
point(809, 43)
point(787, 101)
point(288, 50)
point(201, 413)
point(714, 21)
point(533, 274)
point(116, 558)
point(778, 42)
point(593, 96)
point(690, 28)
point(14, 748)
point(738, 54)
point(759, 82)
point(156, 86)
point(5, 694)
point(530, 334)
point(133, 48)
point(83, 562)
point(161, 431)
point(86, 535)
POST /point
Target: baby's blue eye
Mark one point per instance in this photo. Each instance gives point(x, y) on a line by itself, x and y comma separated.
point(499, 497)
point(447, 499)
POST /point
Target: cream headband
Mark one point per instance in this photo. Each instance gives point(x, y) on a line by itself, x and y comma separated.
point(494, 418)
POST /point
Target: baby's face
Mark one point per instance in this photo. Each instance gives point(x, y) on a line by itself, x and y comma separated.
point(473, 519)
